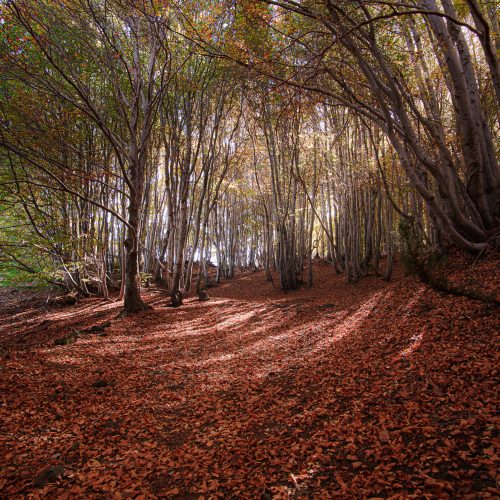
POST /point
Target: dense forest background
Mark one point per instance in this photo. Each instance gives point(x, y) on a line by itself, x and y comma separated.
point(143, 141)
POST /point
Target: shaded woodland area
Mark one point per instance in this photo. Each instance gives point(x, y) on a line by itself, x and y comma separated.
point(249, 248)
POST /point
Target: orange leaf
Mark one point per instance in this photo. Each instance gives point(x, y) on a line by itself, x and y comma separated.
point(384, 436)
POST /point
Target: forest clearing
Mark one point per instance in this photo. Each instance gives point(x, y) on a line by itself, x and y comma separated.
point(249, 248)
point(369, 390)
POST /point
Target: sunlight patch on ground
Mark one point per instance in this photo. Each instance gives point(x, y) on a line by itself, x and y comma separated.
point(236, 319)
point(349, 325)
point(415, 343)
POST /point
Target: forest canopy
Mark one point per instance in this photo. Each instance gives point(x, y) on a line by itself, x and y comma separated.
point(145, 141)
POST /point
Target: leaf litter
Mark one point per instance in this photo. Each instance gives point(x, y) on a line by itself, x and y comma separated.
point(372, 390)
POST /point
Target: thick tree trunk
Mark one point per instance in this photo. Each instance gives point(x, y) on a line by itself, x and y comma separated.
point(133, 302)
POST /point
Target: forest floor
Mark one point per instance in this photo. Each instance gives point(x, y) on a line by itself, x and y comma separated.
point(351, 391)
